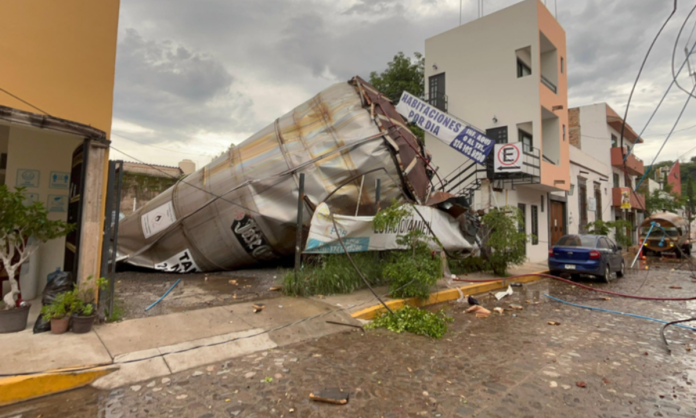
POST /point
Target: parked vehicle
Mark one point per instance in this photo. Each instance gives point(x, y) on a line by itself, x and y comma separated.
point(670, 233)
point(596, 255)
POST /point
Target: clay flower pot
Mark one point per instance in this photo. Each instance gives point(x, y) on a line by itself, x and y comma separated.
point(59, 325)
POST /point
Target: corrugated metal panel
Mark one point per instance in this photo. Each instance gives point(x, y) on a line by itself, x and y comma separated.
point(241, 209)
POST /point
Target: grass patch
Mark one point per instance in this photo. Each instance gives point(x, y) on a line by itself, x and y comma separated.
point(468, 265)
point(116, 314)
point(413, 320)
point(333, 274)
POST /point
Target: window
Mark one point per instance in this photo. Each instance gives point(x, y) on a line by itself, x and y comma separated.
point(562, 65)
point(587, 241)
point(3, 161)
point(564, 133)
point(436, 94)
point(535, 225)
point(598, 202)
point(522, 225)
point(614, 141)
point(582, 200)
point(627, 181)
point(616, 180)
point(542, 204)
point(603, 243)
point(524, 61)
point(523, 69)
point(526, 140)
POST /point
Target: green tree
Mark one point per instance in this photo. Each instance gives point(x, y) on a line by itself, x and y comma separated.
point(663, 200)
point(503, 244)
point(402, 73)
point(22, 229)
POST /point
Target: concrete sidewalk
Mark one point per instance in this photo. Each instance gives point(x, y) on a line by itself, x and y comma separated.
point(158, 346)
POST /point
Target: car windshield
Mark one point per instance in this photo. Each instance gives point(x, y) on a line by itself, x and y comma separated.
point(670, 231)
point(577, 241)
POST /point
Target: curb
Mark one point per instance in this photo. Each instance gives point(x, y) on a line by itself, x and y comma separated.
point(445, 295)
point(16, 389)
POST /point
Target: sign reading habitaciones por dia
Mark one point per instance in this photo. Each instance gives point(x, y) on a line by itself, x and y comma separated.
point(445, 127)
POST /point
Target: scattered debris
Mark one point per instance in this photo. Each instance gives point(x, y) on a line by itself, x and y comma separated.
point(516, 284)
point(333, 396)
point(605, 380)
point(581, 384)
point(499, 310)
point(182, 397)
point(135, 388)
point(275, 288)
point(249, 375)
point(471, 300)
point(234, 282)
point(501, 295)
point(479, 310)
point(605, 298)
point(554, 323)
point(197, 373)
point(163, 296)
point(258, 308)
point(517, 307)
point(675, 287)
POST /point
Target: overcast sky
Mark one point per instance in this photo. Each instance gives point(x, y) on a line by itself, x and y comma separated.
point(193, 77)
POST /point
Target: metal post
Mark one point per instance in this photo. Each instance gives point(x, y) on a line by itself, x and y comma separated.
point(378, 191)
point(640, 249)
point(357, 207)
point(108, 222)
point(114, 248)
point(298, 242)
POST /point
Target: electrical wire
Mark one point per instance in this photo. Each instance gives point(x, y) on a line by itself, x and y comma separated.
point(674, 51)
point(25, 102)
point(640, 71)
point(592, 308)
point(666, 139)
point(662, 331)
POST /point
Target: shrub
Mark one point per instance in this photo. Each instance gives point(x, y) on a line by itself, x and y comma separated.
point(503, 243)
point(411, 273)
point(333, 273)
point(413, 320)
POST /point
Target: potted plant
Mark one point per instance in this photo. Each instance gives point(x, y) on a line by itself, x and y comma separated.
point(82, 305)
point(18, 223)
point(58, 312)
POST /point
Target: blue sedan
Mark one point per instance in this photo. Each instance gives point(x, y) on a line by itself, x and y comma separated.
point(595, 255)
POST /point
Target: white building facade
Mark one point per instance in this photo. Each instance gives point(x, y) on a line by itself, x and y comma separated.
point(506, 75)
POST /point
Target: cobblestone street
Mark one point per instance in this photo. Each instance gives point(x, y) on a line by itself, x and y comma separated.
point(514, 364)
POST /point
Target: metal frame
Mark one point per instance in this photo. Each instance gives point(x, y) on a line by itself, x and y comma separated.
point(110, 241)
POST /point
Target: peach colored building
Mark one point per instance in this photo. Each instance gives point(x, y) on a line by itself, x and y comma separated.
point(506, 75)
point(55, 121)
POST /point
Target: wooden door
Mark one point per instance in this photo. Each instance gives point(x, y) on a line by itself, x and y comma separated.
point(556, 221)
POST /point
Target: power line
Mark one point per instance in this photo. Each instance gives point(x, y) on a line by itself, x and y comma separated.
point(635, 83)
point(674, 51)
point(25, 102)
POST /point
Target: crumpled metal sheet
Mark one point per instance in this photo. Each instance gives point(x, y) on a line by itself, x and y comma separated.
point(240, 210)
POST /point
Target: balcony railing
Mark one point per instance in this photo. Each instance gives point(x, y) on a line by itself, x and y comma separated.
point(634, 166)
point(545, 81)
point(636, 199)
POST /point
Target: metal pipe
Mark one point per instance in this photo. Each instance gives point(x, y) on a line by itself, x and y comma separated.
point(640, 250)
point(298, 233)
point(378, 190)
point(357, 206)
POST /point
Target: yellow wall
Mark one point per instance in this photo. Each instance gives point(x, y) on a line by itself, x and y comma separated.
point(60, 56)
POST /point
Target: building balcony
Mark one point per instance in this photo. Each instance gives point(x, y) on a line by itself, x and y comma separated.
point(636, 199)
point(634, 166)
point(548, 83)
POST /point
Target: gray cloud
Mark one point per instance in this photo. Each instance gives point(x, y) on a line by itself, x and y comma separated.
point(172, 90)
point(196, 66)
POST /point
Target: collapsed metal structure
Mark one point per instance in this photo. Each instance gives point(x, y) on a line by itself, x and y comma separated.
point(240, 210)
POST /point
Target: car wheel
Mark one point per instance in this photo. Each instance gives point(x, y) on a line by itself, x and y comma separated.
point(607, 274)
point(621, 272)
